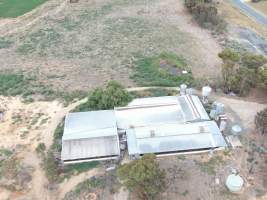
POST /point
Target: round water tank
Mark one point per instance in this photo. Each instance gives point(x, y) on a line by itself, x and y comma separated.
point(236, 130)
point(234, 183)
point(219, 108)
point(206, 90)
point(183, 89)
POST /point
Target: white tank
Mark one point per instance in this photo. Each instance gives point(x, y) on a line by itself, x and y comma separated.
point(223, 125)
point(234, 183)
point(206, 90)
point(236, 130)
point(219, 108)
point(183, 89)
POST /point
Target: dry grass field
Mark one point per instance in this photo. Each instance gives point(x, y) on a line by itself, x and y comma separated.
point(83, 45)
point(261, 6)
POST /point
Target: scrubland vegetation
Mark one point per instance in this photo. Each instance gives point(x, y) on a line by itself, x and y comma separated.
point(28, 87)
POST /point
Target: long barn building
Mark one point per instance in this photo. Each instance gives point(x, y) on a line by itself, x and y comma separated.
point(161, 125)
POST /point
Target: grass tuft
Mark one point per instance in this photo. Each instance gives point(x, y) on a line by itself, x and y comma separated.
point(162, 70)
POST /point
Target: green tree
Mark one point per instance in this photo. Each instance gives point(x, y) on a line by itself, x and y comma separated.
point(144, 177)
point(253, 61)
point(230, 59)
point(262, 78)
point(113, 95)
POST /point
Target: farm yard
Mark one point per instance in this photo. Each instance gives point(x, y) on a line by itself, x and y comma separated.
point(54, 53)
point(26, 126)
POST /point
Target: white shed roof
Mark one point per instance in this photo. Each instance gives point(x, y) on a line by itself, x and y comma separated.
point(174, 137)
point(155, 110)
point(90, 135)
point(90, 124)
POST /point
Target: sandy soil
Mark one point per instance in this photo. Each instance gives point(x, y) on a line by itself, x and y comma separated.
point(28, 130)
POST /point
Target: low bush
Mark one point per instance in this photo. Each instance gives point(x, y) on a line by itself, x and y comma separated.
point(206, 14)
point(113, 95)
point(86, 188)
point(143, 176)
point(40, 149)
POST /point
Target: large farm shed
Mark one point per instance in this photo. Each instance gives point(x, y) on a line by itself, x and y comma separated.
point(160, 125)
point(90, 136)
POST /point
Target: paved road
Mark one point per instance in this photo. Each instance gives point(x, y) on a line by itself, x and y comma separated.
point(257, 16)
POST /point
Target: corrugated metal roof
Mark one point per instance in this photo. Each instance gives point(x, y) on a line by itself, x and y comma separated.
point(90, 135)
point(152, 125)
point(90, 148)
point(174, 137)
point(90, 124)
point(147, 115)
point(154, 110)
point(154, 100)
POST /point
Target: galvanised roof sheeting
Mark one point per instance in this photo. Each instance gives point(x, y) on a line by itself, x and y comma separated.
point(90, 135)
point(154, 101)
point(90, 148)
point(141, 116)
point(154, 110)
point(174, 137)
point(90, 124)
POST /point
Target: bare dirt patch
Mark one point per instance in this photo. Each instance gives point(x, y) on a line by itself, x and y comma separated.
point(80, 44)
point(23, 127)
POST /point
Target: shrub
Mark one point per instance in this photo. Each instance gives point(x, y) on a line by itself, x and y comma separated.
point(261, 121)
point(40, 148)
point(51, 168)
point(143, 176)
point(112, 96)
point(206, 14)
